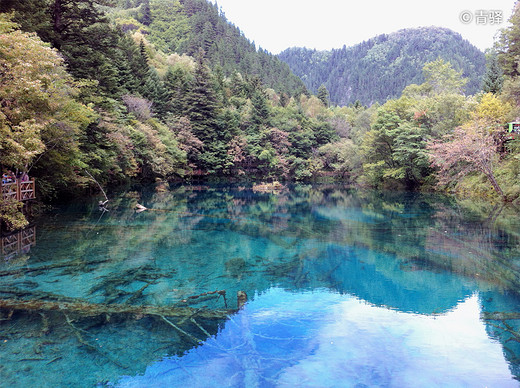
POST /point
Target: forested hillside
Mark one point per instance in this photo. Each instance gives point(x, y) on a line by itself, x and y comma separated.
point(150, 91)
point(185, 26)
point(380, 68)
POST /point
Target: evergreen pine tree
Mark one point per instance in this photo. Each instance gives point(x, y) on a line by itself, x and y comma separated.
point(155, 91)
point(31, 15)
point(108, 77)
point(237, 84)
point(494, 77)
point(203, 112)
point(202, 103)
point(323, 95)
point(208, 38)
point(260, 112)
point(509, 45)
point(127, 53)
point(177, 84)
point(141, 67)
point(219, 83)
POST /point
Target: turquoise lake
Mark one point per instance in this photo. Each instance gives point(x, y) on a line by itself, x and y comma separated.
point(345, 288)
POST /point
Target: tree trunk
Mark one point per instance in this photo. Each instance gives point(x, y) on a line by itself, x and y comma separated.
point(57, 23)
point(495, 184)
point(94, 309)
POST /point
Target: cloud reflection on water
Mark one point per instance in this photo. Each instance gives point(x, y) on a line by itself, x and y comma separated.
point(326, 339)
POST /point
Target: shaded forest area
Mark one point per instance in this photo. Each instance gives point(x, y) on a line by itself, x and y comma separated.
point(112, 92)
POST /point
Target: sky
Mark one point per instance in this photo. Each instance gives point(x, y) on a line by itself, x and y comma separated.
point(276, 25)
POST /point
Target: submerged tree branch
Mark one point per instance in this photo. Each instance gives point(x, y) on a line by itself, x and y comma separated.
point(93, 309)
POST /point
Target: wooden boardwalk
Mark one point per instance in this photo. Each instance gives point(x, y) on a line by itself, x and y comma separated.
point(19, 190)
point(17, 243)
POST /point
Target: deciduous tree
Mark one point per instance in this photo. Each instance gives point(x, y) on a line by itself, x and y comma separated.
point(470, 148)
point(37, 106)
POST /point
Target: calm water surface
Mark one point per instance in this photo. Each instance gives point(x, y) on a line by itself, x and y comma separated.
point(344, 289)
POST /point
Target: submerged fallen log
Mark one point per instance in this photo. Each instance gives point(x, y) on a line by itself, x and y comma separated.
point(500, 316)
point(76, 263)
point(93, 309)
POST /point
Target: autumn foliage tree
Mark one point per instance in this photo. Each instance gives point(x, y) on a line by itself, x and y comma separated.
point(474, 146)
point(470, 148)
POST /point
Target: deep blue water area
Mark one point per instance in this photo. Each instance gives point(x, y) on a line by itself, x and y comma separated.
point(344, 288)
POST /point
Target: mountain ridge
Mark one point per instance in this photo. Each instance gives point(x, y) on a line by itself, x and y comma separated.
point(381, 67)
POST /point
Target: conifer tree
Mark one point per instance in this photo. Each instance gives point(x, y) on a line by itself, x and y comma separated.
point(323, 95)
point(79, 30)
point(155, 91)
point(177, 84)
point(494, 77)
point(260, 112)
point(126, 50)
point(70, 19)
point(141, 67)
point(208, 37)
point(237, 84)
point(219, 83)
point(131, 65)
point(508, 46)
point(203, 111)
point(31, 15)
point(202, 103)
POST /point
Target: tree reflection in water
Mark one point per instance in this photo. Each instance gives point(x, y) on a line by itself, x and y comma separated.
point(196, 247)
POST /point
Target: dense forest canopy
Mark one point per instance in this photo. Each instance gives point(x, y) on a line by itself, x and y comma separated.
point(380, 68)
point(146, 90)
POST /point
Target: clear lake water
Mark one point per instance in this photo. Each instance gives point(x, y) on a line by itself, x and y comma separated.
point(345, 288)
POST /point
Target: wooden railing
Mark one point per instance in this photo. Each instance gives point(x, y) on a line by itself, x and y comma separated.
point(19, 190)
point(17, 243)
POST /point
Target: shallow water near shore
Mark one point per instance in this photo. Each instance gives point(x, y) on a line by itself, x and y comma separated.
point(344, 288)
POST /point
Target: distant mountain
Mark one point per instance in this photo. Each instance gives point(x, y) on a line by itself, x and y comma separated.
point(380, 68)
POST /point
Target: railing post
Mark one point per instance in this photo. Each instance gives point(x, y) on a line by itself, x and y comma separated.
point(18, 190)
